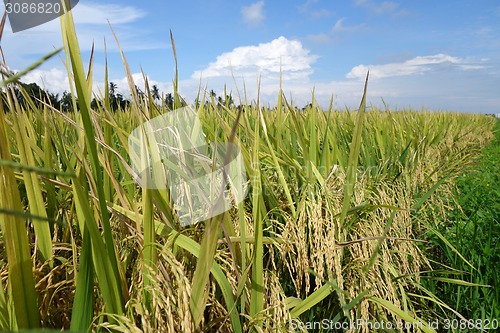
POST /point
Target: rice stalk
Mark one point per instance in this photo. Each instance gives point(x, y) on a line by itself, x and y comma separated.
point(103, 252)
point(21, 284)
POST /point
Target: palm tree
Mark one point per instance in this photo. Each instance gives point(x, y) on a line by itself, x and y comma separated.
point(112, 95)
point(139, 92)
point(155, 93)
point(66, 101)
point(53, 99)
point(112, 88)
point(169, 101)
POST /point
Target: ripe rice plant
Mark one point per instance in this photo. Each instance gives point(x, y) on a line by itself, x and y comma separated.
point(335, 226)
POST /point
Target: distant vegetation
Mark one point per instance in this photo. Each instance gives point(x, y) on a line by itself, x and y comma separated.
point(117, 101)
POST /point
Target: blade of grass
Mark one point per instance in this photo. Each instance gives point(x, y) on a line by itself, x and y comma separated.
point(20, 274)
point(454, 281)
point(427, 195)
point(199, 293)
point(227, 292)
point(108, 284)
point(83, 304)
point(311, 300)
point(104, 256)
point(177, 100)
point(447, 243)
point(49, 164)
point(402, 314)
point(257, 291)
point(108, 132)
point(4, 312)
point(149, 248)
point(352, 164)
point(32, 185)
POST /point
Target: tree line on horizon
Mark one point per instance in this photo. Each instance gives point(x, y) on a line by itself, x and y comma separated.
point(64, 101)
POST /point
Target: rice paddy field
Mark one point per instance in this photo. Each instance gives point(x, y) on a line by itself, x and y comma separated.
point(354, 219)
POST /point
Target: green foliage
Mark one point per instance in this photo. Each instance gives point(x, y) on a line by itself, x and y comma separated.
point(473, 229)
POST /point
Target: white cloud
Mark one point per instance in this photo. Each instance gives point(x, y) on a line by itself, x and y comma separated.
point(264, 62)
point(139, 81)
point(456, 90)
point(450, 83)
point(485, 37)
point(437, 81)
point(266, 59)
point(336, 32)
point(253, 14)
point(306, 7)
point(91, 20)
point(386, 7)
point(321, 13)
point(54, 80)
point(417, 65)
point(340, 27)
point(102, 13)
point(380, 8)
point(90, 14)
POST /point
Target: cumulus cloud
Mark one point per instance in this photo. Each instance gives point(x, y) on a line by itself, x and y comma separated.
point(264, 63)
point(54, 80)
point(417, 65)
point(253, 14)
point(266, 59)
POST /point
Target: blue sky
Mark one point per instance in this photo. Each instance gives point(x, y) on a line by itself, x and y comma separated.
point(443, 55)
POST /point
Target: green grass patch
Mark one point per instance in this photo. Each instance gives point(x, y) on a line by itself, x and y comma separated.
point(472, 227)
